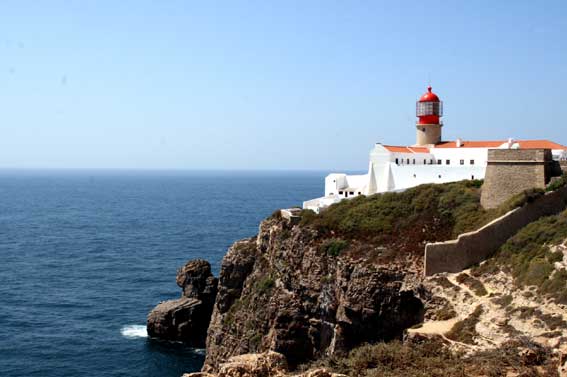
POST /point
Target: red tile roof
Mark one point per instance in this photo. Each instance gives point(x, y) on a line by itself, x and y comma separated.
point(524, 144)
point(393, 148)
point(470, 144)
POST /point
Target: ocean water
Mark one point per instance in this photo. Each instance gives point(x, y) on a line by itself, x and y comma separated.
point(85, 255)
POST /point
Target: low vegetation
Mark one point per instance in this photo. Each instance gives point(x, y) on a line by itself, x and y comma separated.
point(528, 256)
point(464, 331)
point(432, 212)
point(445, 313)
point(553, 322)
point(264, 285)
point(431, 358)
point(557, 183)
point(473, 284)
point(504, 300)
point(333, 247)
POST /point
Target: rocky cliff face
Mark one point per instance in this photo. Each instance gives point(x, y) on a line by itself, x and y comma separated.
point(292, 291)
point(320, 289)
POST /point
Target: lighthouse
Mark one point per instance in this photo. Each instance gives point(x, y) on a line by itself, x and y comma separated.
point(429, 110)
point(429, 160)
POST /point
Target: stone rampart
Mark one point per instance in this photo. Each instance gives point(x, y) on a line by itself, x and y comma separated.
point(511, 171)
point(474, 247)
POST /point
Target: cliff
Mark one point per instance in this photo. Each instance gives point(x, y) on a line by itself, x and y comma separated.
point(288, 291)
point(325, 293)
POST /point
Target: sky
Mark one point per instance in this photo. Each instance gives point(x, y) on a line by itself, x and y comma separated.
point(269, 84)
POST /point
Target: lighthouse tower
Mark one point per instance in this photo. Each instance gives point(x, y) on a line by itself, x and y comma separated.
point(429, 109)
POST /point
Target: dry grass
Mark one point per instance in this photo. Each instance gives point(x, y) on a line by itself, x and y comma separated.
point(464, 331)
point(432, 358)
point(474, 285)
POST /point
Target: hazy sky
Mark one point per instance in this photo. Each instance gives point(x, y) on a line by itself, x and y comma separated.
point(269, 84)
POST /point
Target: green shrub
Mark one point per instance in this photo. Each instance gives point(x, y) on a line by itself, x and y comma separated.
point(431, 212)
point(555, 257)
point(445, 313)
point(537, 271)
point(473, 284)
point(333, 247)
point(433, 359)
point(503, 301)
point(558, 183)
point(464, 331)
point(255, 341)
point(277, 214)
point(265, 285)
point(528, 257)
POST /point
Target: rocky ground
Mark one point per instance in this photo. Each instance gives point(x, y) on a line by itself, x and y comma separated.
point(498, 309)
point(268, 364)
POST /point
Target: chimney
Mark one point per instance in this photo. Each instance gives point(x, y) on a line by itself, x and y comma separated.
point(459, 142)
point(510, 142)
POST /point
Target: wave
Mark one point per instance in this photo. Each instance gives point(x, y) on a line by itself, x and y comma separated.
point(134, 331)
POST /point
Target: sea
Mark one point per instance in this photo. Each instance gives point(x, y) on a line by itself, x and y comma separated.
point(86, 254)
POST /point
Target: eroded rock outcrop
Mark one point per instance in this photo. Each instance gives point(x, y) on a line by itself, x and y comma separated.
point(187, 319)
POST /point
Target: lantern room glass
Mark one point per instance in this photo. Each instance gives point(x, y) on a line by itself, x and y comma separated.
point(429, 108)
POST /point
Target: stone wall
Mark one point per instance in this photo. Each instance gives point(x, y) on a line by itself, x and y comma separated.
point(293, 215)
point(511, 171)
point(474, 247)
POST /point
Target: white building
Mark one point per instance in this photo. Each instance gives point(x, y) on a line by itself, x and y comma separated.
point(430, 160)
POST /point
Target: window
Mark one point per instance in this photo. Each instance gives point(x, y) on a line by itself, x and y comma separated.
point(414, 175)
point(351, 193)
point(448, 162)
point(438, 162)
point(408, 161)
point(424, 161)
point(340, 192)
point(359, 193)
point(414, 161)
point(397, 161)
point(472, 162)
point(462, 162)
point(472, 177)
point(431, 162)
point(439, 175)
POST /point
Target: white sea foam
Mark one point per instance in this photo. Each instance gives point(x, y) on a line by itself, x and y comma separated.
point(134, 331)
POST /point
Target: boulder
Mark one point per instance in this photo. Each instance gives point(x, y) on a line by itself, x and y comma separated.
point(187, 319)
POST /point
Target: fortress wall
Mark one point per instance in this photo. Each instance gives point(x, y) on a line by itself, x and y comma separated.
point(474, 247)
point(511, 171)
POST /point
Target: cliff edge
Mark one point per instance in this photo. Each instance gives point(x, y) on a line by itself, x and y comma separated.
point(341, 290)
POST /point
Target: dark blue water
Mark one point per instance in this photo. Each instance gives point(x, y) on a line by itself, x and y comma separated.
point(85, 255)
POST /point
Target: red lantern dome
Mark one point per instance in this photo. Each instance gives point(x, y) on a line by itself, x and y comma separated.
point(429, 108)
point(429, 96)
